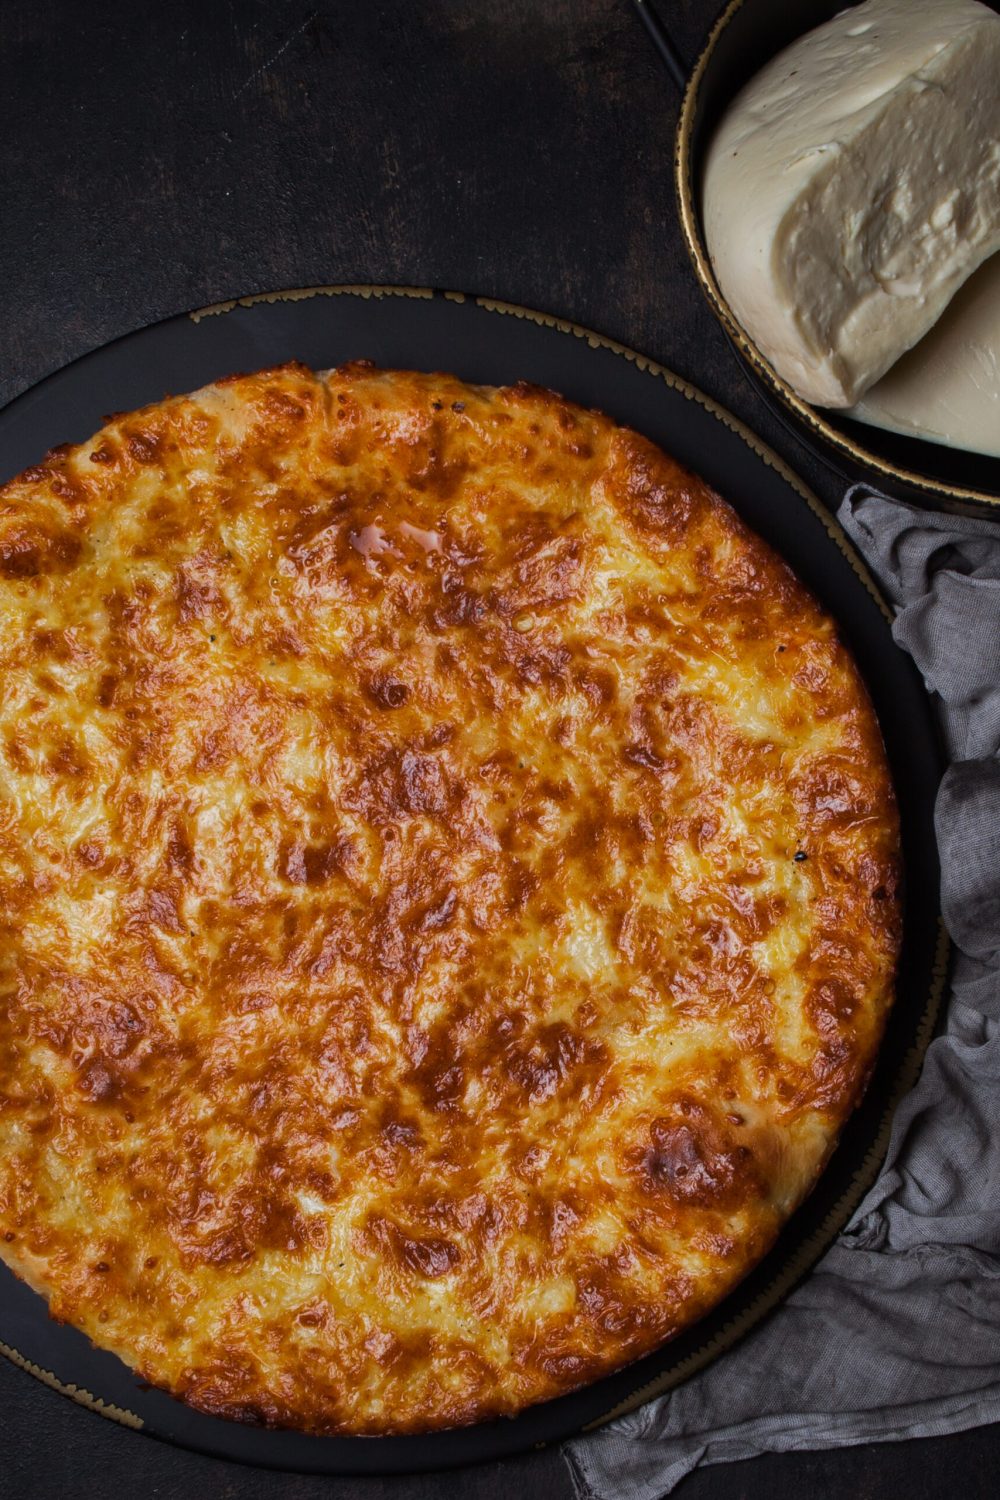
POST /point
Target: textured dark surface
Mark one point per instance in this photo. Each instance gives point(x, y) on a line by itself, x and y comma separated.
point(157, 158)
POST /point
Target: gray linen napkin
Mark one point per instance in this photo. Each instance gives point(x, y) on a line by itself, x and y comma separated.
point(896, 1333)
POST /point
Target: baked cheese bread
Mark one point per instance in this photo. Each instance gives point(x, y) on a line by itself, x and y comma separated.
point(448, 895)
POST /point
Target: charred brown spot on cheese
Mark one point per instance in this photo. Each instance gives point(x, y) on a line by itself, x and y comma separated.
point(424, 1257)
point(402, 783)
point(314, 864)
point(831, 1005)
point(198, 593)
point(829, 790)
point(29, 551)
point(143, 446)
point(410, 991)
point(651, 492)
point(555, 1060)
point(693, 1160)
point(387, 691)
point(99, 1082)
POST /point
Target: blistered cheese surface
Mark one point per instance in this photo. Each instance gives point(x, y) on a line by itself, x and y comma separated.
point(447, 895)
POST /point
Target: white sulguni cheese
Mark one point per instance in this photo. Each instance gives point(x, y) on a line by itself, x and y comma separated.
point(947, 389)
point(854, 184)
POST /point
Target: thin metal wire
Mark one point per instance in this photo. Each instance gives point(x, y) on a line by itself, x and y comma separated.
point(663, 43)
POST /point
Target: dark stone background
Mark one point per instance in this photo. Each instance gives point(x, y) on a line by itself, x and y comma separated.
point(158, 157)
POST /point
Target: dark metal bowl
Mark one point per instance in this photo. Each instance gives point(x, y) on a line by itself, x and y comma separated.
point(746, 36)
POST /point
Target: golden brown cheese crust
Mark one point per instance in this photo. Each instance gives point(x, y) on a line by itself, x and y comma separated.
point(448, 906)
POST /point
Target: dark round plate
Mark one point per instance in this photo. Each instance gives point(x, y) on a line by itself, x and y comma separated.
point(492, 343)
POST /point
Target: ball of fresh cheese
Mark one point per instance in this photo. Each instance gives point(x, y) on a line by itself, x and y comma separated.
point(947, 389)
point(854, 184)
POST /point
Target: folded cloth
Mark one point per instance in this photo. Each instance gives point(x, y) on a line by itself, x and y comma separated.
point(896, 1333)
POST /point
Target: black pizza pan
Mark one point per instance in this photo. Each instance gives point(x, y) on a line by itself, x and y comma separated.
point(747, 34)
point(493, 343)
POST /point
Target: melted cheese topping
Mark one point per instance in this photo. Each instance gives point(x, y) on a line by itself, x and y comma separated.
point(447, 895)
